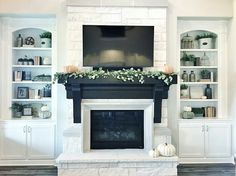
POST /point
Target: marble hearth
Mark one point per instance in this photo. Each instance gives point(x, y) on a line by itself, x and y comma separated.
point(116, 163)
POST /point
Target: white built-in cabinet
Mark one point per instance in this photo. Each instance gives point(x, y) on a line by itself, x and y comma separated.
point(28, 139)
point(203, 138)
point(22, 141)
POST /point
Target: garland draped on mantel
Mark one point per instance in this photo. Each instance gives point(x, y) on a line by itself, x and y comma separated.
point(123, 75)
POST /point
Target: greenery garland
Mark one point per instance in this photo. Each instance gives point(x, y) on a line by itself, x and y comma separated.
point(124, 75)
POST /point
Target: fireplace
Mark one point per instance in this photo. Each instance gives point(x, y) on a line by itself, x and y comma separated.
point(117, 129)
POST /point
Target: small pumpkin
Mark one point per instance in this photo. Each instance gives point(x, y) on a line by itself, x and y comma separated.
point(70, 69)
point(154, 153)
point(166, 149)
point(168, 69)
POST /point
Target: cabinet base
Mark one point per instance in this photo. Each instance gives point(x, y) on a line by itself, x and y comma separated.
point(206, 160)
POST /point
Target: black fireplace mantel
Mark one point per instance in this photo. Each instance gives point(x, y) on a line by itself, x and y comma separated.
point(110, 88)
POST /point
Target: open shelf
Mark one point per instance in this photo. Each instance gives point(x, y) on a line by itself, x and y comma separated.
point(32, 49)
point(32, 100)
point(199, 50)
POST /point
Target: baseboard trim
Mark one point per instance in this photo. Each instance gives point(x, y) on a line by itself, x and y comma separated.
point(206, 160)
point(27, 162)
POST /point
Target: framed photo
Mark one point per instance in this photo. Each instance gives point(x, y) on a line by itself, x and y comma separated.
point(196, 92)
point(27, 111)
point(22, 92)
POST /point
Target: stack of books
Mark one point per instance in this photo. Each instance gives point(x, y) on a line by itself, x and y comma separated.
point(210, 111)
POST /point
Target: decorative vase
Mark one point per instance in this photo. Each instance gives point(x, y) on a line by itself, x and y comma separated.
point(188, 63)
point(184, 93)
point(205, 43)
point(17, 114)
point(45, 42)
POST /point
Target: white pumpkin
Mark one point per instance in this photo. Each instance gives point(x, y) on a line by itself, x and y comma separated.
point(166, 149)
point(154, 153)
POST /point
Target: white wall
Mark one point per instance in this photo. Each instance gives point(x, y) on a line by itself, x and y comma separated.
point(232, 74)
point(29, 6)
point(201, 8)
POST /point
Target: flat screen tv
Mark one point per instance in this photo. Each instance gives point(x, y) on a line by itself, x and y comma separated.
point(118, 46)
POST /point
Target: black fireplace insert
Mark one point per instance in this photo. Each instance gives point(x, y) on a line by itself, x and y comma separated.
point(117, 129)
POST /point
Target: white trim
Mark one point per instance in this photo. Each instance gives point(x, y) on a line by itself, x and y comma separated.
point(127, 3)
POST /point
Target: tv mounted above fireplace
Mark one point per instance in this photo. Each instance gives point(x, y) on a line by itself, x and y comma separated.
point(118, 46)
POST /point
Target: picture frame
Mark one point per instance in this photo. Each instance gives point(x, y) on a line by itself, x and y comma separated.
point(27, 111)
point(22, 92)
point(196, 92)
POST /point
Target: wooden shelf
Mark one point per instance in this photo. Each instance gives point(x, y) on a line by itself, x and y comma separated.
point(32, 82)
point(199, 50)
point(31, 66)
point(32, 49)
point(32, 100)
point(198, 67)
point(199, 83)
point(198, 100)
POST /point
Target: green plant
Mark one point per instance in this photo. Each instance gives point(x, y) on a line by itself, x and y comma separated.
point(187, 57)
point(205, 74)
point(123, 75)
point(205, 35)
point(46, 35)
point(17, 107)
point(183, 86)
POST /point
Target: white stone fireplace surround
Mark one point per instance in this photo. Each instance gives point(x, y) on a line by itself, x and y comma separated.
point(88, 105)
point(77, 158)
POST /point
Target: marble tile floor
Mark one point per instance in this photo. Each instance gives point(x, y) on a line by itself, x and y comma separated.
point(183, 170)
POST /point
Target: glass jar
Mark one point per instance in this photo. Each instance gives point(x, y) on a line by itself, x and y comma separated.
point(185, 76)
point(205, 61)
point(192, 77)
point(187, 115)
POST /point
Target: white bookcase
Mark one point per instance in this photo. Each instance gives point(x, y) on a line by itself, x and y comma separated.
point(196, 136)
point(32, 129)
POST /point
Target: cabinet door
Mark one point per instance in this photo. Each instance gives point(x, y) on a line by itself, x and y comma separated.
point(191, 140)
point(13, 141)
point(218, 140)
point(40, 141)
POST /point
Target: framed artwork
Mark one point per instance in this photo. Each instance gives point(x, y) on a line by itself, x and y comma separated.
point(22, 92)
point(27, 111)
point(196, 92)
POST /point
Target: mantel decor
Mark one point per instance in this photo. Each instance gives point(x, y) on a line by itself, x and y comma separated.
point(124, 75)
point(120, 84)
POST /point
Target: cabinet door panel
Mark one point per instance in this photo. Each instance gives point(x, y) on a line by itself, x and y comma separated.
point(218, 140)
point(191, 140)
point(13, 141)
point(41, 141)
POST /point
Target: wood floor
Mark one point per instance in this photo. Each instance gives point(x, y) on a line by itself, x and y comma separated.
point(183, 170)
point(206, 170)
point(28, 171)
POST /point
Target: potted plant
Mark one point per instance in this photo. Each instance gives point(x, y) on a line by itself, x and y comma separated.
point(184, 93)
point(205, 74)
point(17, 110)
point(187, 60)
point(46, 39)
point(206, 40)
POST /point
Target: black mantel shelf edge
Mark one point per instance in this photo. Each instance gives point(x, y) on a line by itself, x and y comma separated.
point(105, 88)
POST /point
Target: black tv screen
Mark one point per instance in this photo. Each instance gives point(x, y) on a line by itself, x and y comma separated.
point(118, 46)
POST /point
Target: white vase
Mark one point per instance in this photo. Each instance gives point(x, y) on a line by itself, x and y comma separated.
point(184, 93)
point(45, 42)
point(205, 43)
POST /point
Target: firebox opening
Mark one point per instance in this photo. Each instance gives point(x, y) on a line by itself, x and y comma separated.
point(117, 129)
